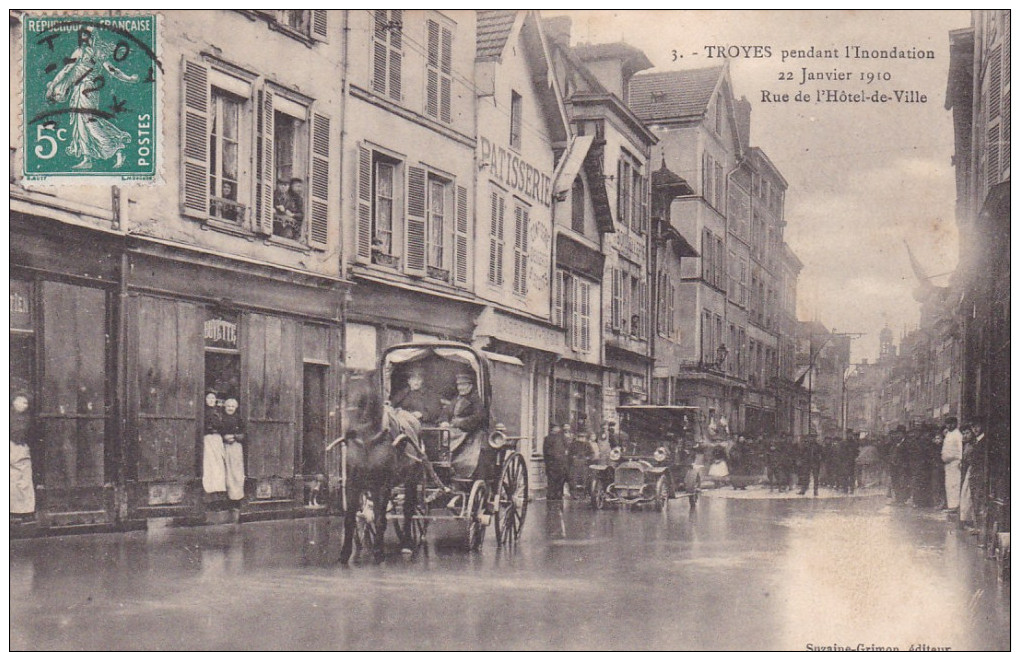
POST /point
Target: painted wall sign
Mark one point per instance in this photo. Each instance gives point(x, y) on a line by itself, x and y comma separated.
point(513, 171)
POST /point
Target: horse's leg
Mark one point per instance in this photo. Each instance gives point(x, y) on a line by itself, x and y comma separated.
point(410, 500)
point(350, 523)
point(380, 519)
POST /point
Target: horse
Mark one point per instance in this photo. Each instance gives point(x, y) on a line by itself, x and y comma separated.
point(376, 463)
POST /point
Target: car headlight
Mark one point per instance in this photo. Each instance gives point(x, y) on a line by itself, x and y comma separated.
point(616, 454)
point(497, 439)
point(660, 454)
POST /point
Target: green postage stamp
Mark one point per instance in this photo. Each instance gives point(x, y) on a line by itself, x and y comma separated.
point(90, 96)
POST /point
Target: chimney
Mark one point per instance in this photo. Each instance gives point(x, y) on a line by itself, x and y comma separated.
point(557, 30)
point(742, 111)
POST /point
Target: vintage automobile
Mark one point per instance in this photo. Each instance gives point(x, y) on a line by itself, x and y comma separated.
point(659, 456)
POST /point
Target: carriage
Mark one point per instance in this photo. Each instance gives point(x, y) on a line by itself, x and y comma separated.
point(471, 478)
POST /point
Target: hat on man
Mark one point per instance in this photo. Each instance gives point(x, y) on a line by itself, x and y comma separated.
point(465, 378)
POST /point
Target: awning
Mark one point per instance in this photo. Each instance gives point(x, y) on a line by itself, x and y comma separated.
point(530, 333)
point(572, 162)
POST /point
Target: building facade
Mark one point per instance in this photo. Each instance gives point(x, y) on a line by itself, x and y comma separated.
point(135, 304)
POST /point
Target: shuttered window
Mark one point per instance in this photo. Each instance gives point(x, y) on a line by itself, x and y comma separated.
point(497, 215)
point(387, 52)
point(414, 248)
point(616, 301)
point(438, 218)
point(559, 298)
point(583, 314)
point(242, 146)
point(521, 217)
point(438, 71)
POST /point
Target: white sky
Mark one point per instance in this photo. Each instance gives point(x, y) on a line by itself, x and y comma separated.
point(863, 178)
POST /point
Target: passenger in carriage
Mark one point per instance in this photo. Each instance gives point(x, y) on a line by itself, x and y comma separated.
point(465, 416)
point(414, 398)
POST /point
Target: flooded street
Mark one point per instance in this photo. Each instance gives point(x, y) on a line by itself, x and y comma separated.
point(764, 574)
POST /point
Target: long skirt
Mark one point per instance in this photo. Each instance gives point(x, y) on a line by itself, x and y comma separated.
point(214, 466)
point(953, 484)
point(966, 502)
point(233, 454)
point(22, 489)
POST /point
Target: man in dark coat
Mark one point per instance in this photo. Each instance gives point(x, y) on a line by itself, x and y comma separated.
point(810, 464)
point(556, 462)
point(413, 398)
point(465, 416)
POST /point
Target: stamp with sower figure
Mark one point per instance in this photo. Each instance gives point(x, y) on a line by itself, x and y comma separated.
point(90, 97)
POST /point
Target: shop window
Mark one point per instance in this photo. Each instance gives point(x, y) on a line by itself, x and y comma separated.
point(22, 397)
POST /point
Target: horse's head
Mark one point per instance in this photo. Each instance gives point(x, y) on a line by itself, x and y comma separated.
point(366, 414)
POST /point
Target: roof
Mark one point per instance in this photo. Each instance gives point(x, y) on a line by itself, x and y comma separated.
point(674, 94)
point(633, 59)
point(493, 30)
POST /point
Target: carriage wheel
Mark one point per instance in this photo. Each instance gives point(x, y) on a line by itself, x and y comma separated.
point(512, 494)
point(476, 514)
point(598, 494)
point(663, 492)
point(364, 529)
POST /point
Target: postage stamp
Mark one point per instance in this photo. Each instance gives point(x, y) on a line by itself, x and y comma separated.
point(90, 96)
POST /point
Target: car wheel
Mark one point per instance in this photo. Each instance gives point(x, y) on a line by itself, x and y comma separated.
point(598, 494)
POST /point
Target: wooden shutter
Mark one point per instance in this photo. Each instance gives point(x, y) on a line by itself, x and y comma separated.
point(267, 169)
point(620, 200)
point(995, 82)
point(993, 156)
point(575, 321)
point(558, 298)
point(460, 244)
point(379, 52)
point(396, 56)
point(319, 31)
point(520, 249)
point(73, 402)
point(493, 240)
point(195, 140)
point(615, 309)
point(445, 90)
point(364, 226)
point(165, 337)
point(644, 204)
point(272, 394)
point(432, 69)
point(584, 292)
point(318, 224)
point(414, 251)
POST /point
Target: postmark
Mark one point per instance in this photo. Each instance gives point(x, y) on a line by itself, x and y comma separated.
point(90, 89)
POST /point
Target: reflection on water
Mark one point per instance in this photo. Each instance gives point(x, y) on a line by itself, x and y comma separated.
point(734, 573)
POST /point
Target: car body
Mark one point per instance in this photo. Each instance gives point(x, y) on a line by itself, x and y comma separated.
point(659, 455)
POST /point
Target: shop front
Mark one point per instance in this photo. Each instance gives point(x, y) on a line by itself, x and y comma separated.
point(232, 387)
point(63, 352)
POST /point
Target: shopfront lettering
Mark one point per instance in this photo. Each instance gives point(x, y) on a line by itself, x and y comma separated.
point(220, 332)
point(510, 169)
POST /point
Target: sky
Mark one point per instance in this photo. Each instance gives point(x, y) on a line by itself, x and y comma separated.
point(863, 178)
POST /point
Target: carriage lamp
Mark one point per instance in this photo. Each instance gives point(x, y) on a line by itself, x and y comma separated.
point(497, 439)
point(660, 454)
point(615, 454)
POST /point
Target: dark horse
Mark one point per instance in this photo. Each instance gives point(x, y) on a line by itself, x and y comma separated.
point(376, 466)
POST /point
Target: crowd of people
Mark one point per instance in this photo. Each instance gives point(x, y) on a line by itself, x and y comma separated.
point(927, 466)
